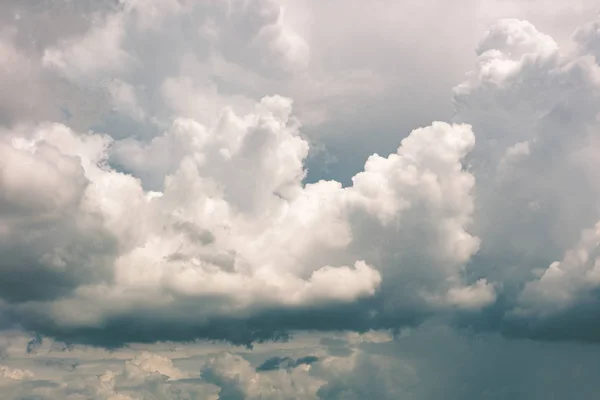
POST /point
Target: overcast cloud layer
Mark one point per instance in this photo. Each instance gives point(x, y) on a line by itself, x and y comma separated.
point(245, 171)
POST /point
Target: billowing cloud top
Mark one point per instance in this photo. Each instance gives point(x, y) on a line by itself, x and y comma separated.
point(146, 198)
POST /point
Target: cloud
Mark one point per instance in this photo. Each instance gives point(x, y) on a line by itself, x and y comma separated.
point(164, 195)
point(434, 362)
point(534, 110)
point(246, 33)
point(148, 376)
point(243, 177)
point(124, 99)
point(93, 55)
point(275, 363)
point(14, 374)
point(210, 226)
point(190, 214)
point(238, 379)
point(421, 363)
point(233, 227)
point(51, 245)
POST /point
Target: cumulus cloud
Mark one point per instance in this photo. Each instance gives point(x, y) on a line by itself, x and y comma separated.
point(233, 227)
point(211, 227)
point(171, 200)
point(535, 110)
point(568, 281)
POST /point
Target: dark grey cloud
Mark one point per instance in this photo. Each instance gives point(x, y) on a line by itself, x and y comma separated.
point(276, 325)
point(435, 362)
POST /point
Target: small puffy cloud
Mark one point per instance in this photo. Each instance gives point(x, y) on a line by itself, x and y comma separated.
point(474, 296)
point(148, 363)
point(14, 374)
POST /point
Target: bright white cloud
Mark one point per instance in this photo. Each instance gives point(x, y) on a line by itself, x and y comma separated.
point(234, 228)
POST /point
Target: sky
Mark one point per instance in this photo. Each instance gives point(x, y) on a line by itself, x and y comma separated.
point(299, 199)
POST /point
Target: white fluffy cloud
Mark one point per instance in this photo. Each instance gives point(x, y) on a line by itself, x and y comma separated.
point(214, 211)
point(234, 228)
point(157, 182)
point(535, 111)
